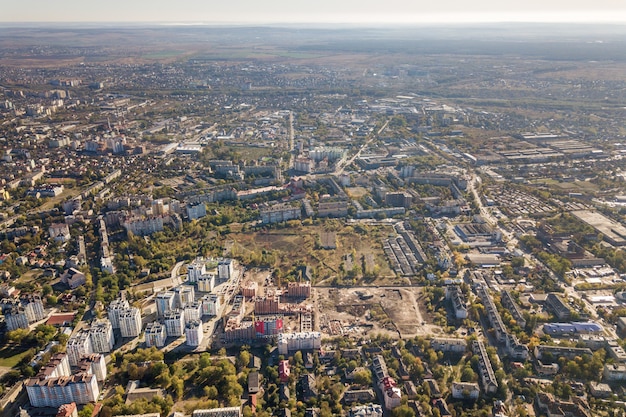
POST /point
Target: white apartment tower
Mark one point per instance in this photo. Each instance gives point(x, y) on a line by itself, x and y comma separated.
point(130, 322)
point(155, 335)
point(78, 346)
point(102, 339)
point(194, 333)
point(174, 323)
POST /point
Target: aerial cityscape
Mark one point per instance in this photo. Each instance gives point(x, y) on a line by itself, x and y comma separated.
point(228, 221)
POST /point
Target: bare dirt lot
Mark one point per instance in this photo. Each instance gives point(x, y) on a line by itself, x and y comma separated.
point(366, 311)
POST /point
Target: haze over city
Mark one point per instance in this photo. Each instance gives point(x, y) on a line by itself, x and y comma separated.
point(321, 11)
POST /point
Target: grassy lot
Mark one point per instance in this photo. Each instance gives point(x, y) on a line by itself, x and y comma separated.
point(284, 248)
point(11, 356)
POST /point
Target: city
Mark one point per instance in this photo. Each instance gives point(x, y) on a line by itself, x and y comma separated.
point(274, 222)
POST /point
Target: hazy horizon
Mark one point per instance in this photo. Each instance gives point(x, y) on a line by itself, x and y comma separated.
point(366, 12)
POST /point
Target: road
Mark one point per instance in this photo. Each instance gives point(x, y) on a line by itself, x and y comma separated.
point(341, 165)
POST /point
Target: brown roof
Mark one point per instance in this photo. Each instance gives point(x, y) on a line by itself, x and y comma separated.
point(59, 319)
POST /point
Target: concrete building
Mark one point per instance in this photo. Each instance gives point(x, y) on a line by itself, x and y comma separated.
point(93, 364)
point(211, 305)
point(218, 412)
point(225, 269)
point(184, 295)
point(115, 308)
point(448, 345)
point(614, 372)
point(59, 365)
point(280, 213)
point(368, 410)
point(465, 390)
point(15, 318)
point(155, 335)
point(53, 392)
point(78, 346)
point(192, 312)
point(196, 211)
point(487, 376)
point(174, 323)
point(558, 306)
point(101, 333)
point(165, 302)
point(455, 295)
point(194, 333)
point(196, 269)
point(73, 278)
point(291, 342)
point(130, 322)
point(206, 282)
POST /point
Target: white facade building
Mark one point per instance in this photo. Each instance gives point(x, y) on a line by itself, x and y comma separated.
point(225, 269)
point(194, 333)
point(174, 323)
point(211, 305)
point(53, 392)
point(78, 346)
point(155, 335)
point(291, 342)
point(130, 322)
point(206, 282)
point(193, 312)
point(115, 308)
point(101, 333)
point(164, 302)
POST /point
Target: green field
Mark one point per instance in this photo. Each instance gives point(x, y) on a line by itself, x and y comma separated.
point(11, 356)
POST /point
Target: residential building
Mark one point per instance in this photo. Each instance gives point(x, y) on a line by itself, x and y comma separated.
point(448, 345)
point(15, 318)
point(211, 305)
point(558, 306)
point(165, 302)
point(194, 333)
point(130, 322)
point(73, 278)
point(225, 269)
point(553, 353)
point(218, 412)
point(67, 410)
point(465, 390)
point(196, 269)
point(392, 395)
point(280, 213)
point(53, 392)
point(332, 207)
point(33, 307)
point(509, 303)
point(284, 371)
point(358, 396)
point(93, 364)
point(78, 346)
point(59, 365)
point(155, 335)
point(115, 308)
point(291, 342)
point(206, 282)
point(487, 376)
point(192, 312)
point(614, 372)
point(101, 333)
point(60, 232)
point(184, 295)
point(196, 211)
point(174, 323)
point(459, 305)
point(368, 410)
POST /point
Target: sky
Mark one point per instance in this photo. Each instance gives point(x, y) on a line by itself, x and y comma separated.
point(313, 11)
